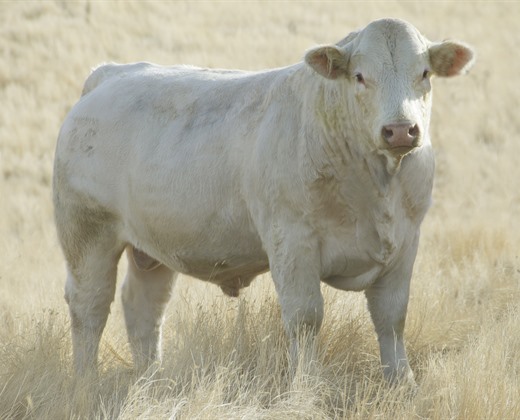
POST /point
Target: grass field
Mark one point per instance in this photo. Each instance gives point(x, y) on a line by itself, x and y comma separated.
point(226, 358)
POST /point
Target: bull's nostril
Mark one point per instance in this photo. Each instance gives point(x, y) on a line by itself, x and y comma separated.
point(387, 133)
point(414, 131)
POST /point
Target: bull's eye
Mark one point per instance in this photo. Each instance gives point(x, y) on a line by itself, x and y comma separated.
point(426, 74)
point(359, 78)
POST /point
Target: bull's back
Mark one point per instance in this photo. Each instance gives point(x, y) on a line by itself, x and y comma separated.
point(134, 121)
point(144, 127)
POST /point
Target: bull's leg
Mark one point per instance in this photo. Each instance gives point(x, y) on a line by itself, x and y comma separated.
point(295, 271)
point(146, 292)
point(89, 291)
point(302, 314)
point(387, 303)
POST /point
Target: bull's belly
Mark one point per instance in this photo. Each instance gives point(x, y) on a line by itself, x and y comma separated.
point(211, 269)
point(221, 271)
point(231, 274)
point(223, 256)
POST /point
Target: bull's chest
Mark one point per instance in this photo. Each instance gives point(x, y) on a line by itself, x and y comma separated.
point(368, 239)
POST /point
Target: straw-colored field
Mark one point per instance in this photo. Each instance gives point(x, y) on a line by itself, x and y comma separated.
point(225, 358)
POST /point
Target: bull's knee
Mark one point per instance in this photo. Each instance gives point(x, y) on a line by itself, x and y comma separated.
point(302, 306)
point(302, 322)
point(303, 319)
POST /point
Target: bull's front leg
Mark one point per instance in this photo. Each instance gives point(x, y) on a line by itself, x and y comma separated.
point(294, 263)
point(387, 303)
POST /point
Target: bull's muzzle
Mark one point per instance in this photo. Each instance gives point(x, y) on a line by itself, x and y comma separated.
point(401, 135)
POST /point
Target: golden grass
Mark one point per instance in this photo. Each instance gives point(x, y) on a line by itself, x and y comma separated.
point(226, 358)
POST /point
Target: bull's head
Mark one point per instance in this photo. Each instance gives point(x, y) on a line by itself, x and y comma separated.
point(385, 70)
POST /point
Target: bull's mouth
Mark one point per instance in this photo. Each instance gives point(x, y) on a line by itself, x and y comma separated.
point(402, 151)
point(394, 155)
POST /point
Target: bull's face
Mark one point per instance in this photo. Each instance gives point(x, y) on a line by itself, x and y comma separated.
point(385, 70)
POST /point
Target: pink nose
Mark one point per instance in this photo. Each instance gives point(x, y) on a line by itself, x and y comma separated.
point(401, 134)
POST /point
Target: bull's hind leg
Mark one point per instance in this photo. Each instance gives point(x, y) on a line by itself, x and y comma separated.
point(92, 251)
point(146, 292)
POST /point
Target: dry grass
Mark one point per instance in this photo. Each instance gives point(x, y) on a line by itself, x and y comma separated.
point(225, 358)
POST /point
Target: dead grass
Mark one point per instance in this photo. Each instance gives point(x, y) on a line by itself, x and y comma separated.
point(226, 358)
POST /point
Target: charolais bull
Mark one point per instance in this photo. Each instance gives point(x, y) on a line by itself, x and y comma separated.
point(321, 171)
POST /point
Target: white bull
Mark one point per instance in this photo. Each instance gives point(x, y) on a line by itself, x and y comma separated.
point(319, 171)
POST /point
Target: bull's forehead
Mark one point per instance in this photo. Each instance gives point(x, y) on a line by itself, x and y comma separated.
point(390, 43)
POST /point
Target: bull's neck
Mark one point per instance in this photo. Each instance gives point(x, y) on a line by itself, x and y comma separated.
point(337, 149)
point(338, 152)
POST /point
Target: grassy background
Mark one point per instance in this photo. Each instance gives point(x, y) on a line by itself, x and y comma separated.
point(225, 358)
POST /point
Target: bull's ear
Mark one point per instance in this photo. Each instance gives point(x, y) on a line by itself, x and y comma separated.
point(451, 58)
point(330, 61)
